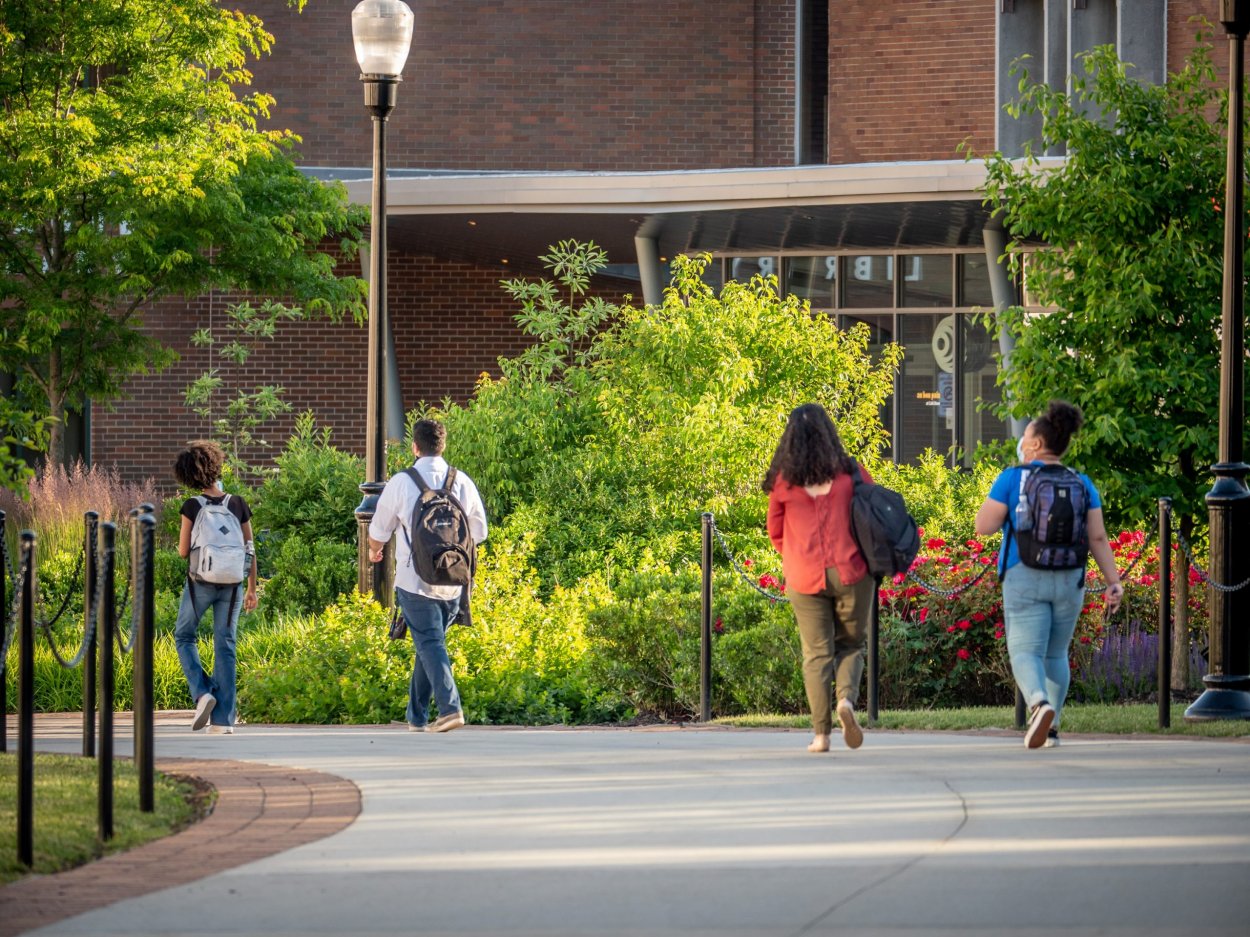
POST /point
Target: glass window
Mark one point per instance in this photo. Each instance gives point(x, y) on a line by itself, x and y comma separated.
point(974, 281)
point(741, 269)
point(812, 278)
point(868, 282)
point(926, 385)
point(979, 383)
point(928, 280)
point(881, 327)
point(714, 273)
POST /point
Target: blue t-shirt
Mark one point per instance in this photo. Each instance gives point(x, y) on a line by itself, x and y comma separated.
point(1006, 490)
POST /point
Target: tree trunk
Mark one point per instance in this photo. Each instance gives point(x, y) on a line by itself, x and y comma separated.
point(1180, 613)
point(56, 410)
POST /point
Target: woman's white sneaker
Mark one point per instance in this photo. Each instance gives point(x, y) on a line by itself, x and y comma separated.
point(203, 711)
point(1039, 725)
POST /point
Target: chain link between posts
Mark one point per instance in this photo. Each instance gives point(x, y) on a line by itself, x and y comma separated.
point(93, 615)
point(1187, 549)
point(10, 617)
point(938, 590)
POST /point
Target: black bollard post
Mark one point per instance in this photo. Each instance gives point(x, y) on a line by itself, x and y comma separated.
point(26, 706)
point(106, 629)
point(705, 622)
point(143, 592)
point(874, 658)
point(1165, 613)
point(1020, 709)
point(91, 525)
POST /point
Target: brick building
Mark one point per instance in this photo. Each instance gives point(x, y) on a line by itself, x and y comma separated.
point(811, 139)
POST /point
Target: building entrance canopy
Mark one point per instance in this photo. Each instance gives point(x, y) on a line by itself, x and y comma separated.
point(489, 217)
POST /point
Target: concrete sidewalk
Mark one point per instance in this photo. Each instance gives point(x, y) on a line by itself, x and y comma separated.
point(668, 831)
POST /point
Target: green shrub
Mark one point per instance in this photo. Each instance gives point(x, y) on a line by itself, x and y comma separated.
point(312, 495)
point(309, 575)
point(339, 667)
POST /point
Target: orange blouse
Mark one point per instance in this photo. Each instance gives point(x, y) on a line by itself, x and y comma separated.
point(813, 534)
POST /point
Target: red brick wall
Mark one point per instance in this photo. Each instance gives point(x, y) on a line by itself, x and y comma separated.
point(451, 322)
point(545, 84)
point(910, 81)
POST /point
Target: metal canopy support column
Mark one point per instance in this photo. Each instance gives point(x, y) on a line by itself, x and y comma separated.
point(1004, 293)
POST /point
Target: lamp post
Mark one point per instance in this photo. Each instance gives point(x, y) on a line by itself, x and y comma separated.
point(1227, 693)
point(382, 33)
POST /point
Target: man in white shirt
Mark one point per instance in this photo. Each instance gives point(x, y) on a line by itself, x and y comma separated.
point(428, 609)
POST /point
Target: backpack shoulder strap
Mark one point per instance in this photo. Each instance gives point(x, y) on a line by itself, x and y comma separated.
point(412, 473)
point(451, 477)
point(857, 477)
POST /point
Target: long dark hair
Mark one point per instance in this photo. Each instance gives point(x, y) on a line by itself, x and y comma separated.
point(1058, 425)
point(809, 452)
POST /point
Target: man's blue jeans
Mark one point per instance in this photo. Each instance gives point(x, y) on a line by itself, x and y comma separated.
point(431, 669)
point(198, 598)
point(1040, 607)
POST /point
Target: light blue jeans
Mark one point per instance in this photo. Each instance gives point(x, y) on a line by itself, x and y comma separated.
point(431, 667)
point(198, 598)
point(1040, 607)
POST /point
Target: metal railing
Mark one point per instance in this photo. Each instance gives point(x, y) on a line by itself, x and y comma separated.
point(101, 637)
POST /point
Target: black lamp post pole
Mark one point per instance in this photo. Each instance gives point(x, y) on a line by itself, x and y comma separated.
point(1227, 693)
point(372, 577)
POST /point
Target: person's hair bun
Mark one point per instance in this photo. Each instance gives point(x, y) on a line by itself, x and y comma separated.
point(1065, 417)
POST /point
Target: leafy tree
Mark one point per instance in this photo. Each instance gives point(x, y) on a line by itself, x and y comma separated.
point(18, 428)
point(133, 170)
point(1130, 261)
point(238, 419)
point(610, 435)
point(1128, 235)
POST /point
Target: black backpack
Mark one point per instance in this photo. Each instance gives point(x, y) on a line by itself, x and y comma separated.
point(1054, 535)
point(886, 533)
point(443, 552)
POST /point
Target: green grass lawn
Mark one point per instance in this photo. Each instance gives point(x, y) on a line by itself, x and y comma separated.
point(1078, 718)
point(66, 827)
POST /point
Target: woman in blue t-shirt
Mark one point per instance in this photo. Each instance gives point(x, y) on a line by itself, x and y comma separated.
point(1041, 606)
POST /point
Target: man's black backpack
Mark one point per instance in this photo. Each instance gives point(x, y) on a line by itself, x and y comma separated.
point(886, 533)
point(443, 552)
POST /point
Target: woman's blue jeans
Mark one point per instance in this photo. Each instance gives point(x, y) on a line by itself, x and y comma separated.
point(1041, 607)
point(431, 669)
point(198, 598)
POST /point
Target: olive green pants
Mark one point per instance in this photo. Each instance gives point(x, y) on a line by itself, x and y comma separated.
point(833, 629)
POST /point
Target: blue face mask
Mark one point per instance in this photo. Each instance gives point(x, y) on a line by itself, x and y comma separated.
point(1020, 450)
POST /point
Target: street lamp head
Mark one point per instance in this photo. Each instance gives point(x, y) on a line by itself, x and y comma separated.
point(382, 33)
point(1235, 16)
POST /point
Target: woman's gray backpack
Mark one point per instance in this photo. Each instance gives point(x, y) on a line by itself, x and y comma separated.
point(1050, 524)
point(218, 554)
point(886, 533)
point(438, 534)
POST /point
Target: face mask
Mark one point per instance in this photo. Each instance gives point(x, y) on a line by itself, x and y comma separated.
point(1020, 450)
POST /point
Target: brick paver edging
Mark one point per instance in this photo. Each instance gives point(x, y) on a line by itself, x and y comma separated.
point(260, 810)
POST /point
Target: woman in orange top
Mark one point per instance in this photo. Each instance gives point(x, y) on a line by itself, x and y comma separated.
point(809, 487)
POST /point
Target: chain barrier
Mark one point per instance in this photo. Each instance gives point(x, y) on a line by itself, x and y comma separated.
point(949, 593)
point(8, 561)
point(124, 644)
point(93, 614)
point(746, 577)
point(938, 590)
point(10, 620)
point(1187, 549)
point(74, 586)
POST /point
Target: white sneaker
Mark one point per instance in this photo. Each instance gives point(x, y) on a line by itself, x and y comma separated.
point(203, 710)
point(1039, 725)
point(221, 730)
point(1052, 739)
point(446, 723)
